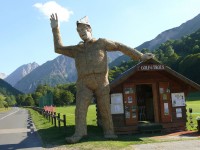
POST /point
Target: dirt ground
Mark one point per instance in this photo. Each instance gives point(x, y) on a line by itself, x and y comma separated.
point(179, 135)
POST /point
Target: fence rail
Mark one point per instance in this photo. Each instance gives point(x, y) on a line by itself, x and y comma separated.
point(53, 117)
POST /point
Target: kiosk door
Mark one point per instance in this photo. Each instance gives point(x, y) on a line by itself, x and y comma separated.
point(165, 102)
point(130, 104)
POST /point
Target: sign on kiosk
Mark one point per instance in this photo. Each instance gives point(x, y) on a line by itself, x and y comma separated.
point(117, 103)
point(178, 99)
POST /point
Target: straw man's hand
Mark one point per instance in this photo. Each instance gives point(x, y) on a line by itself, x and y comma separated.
point(54, 20)
point(147, 56)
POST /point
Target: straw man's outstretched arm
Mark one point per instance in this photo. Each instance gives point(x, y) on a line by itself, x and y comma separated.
point(58, 46)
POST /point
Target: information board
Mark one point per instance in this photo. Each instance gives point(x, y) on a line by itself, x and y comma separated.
point(117, 103)
point(178, 99)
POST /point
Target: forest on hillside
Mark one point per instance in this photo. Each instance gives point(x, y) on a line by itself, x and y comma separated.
point(181, 55)
point(7, 94)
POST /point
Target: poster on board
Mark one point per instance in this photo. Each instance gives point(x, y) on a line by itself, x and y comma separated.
point(178, 113)
point(117, 109)
point(166, 109)
point(129, 90)
point(178, 99)
point(117, 103)
point(130, 99)
point(116, 98)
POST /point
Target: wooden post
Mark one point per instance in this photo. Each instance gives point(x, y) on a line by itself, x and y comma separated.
point(156, 102)
point(55, 119)
point(51, 117)
point(43, 113)
point(40, 111)
point(64, 120)
point(59, 120)
point(46, 114)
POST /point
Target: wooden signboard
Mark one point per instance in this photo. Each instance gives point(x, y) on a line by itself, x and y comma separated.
point(151, 67)
point(165, 102)
point(130, 104)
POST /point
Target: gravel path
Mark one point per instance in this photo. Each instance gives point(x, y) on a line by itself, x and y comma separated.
point(174, 145)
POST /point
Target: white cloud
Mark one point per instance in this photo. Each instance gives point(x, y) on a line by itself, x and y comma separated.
point(52, 7)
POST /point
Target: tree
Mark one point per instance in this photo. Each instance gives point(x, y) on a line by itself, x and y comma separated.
point(196, 49)
point(67, 97)
point(1, 101)
point(21, 99)
point(72, 88)
point(10, 100)
point(190, 67)
point(29, 101)
point(145, 50)
point(43, 89)
point(169, 51)
point(172, 60)
point(36, 96)
point(56, 97)
point(159, 54)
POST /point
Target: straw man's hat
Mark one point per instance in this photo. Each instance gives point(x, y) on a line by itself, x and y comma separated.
point(83, 20)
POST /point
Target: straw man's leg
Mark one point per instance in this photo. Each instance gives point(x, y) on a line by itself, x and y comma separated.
point(83, 99)
point(103, 103)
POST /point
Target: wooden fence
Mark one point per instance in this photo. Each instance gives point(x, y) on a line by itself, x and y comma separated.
point(52, 116)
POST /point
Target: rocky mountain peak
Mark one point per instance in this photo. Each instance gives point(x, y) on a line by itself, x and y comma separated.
point(20, 72)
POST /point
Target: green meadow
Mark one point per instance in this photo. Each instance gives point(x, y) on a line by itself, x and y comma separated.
point(4, 109)
point(53, 136)
point(193, 101)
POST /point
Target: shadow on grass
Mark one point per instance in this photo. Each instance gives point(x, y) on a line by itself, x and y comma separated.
point(56, 137)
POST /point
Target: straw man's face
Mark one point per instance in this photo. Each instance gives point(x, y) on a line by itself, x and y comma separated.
point(85, 32)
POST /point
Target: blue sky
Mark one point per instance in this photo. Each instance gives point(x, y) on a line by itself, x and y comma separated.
point(26, 36)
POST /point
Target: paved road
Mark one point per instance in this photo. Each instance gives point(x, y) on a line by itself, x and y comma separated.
point(17, 131)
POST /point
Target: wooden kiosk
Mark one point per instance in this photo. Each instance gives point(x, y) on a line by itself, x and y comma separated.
point(150, 92)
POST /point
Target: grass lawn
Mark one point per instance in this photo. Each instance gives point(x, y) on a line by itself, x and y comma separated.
point(52, 136)
point(4, 109)
point(69, 111)
point(195, 105)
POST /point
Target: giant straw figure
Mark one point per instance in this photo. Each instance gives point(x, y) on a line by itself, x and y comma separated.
point(91, 63)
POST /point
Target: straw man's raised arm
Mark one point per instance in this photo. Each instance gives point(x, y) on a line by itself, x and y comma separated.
point(58, 46)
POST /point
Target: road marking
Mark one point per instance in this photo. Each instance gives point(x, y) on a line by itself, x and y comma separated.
point(16, 130)
point(10, 114)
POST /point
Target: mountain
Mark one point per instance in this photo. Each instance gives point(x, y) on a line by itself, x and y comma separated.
point(175, 33)
point(113, 55)
point(2, 75)
point(20, 72)
point(7, 89)
point(58, 71)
